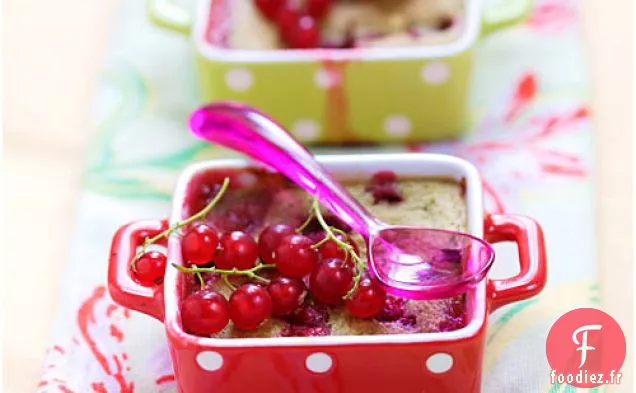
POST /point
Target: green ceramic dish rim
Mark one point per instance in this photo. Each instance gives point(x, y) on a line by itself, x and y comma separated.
point(469, 37)
point(478, 22)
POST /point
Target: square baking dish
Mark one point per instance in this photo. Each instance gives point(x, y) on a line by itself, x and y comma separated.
point(445, 362)
point(332, 96)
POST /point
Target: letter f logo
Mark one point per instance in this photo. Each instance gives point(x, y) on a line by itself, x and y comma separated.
point(584, 347)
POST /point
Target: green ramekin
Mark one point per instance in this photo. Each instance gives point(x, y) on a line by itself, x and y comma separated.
point(411, 94)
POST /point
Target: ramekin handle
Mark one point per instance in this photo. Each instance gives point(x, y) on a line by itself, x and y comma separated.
point(528, 235)
point(500, 14)
point(122, 287)
point(168, 15)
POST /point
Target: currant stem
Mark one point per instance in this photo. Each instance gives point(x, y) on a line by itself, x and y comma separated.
point(343, 245)
point(318, 244)
point(198, 216)
point(201, 280)
point(339, 231)
point(307, 221)
point(228, 283)
point(251, 273)
point(344, 234)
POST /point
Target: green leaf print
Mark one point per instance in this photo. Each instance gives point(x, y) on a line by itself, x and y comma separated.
point(511, 312)
point(128, 188)
point(129, 91)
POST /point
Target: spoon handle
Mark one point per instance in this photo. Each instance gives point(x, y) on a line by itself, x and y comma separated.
point(249, 131)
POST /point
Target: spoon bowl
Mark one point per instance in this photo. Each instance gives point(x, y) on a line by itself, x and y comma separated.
point(424, 263)
point(412, 262)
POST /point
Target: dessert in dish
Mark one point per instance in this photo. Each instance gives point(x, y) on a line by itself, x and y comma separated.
point(403, 362)
point(305, 24)
point(293, 281)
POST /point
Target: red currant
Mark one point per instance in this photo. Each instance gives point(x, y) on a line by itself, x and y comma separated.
point(384, 176)
point(287, 295)
point(150, 268)
point(445, 23)
point(309, 320)
point(269, 8)
point(205, 312)
point(270, 238)
point(304, 34)
point(238, 250)
point(286, 19)
point(368, 299)
point(330, 249)
point(331, 280)
point(199, 245)
point(454, 318)
point(393, 309)
point(250, 306)
point(310, 314)
point(294, 256)
point(384, 188)
point(318, 8)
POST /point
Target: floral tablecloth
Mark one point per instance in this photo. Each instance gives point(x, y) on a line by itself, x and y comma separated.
point(531, 139)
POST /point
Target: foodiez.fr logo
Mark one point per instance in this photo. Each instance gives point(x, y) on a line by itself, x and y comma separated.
point(586, 348)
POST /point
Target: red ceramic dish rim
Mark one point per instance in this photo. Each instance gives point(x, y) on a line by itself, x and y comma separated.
point(410, 164)
point(472, 27)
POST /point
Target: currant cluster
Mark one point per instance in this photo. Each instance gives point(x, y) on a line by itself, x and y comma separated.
point(149, 266)
point(297, 267)
point(269, 275)
point(297, 22)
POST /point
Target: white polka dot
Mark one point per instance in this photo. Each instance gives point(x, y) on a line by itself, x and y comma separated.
point(306, 130)
point(209, 360)
point(439, 363)
point(435, 73)
point(327, 78)
point(319, 362)
point(397, 125)
point(239, 79)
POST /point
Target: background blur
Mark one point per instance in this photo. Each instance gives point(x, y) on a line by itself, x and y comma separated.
point(52, 54)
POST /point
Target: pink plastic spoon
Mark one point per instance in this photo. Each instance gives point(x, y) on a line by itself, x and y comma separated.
point(412, 262)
